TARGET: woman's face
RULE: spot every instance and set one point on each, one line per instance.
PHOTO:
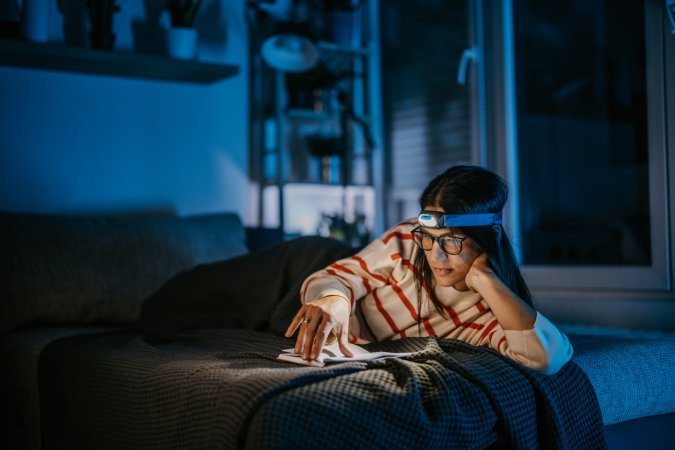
(450, 270)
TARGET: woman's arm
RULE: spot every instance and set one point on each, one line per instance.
(511, 311)
(329, 295)
(531, 338)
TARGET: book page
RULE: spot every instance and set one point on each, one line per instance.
(331, 354)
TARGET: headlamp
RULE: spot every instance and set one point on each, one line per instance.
(435, 219)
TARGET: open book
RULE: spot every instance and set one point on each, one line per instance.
(332, 354)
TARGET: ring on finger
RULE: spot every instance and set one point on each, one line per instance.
(305, 320)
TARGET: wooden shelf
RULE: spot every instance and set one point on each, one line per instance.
(17, 53)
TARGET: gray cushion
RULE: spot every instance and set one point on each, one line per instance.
(88, 269)
(631, 370)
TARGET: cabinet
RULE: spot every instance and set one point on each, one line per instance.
(312, 137)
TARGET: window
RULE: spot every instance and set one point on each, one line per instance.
(587, 164)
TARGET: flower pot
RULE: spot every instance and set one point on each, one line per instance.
(182, 42)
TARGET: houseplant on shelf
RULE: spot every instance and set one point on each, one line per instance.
(182, 36)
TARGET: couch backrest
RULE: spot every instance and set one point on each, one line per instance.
(65, 269)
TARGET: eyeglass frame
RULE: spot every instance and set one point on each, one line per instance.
(434, 239)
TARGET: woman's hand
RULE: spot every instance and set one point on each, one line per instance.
(317, 320)
(479, 271)
(511, 311)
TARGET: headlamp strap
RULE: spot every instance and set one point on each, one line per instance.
(434, 219)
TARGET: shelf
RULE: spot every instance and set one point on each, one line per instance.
(17, 53)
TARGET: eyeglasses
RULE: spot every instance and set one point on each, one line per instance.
(452, 245)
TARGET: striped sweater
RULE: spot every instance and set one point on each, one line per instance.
(379, 283)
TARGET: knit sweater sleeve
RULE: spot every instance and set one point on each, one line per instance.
(356, 276)
(544, 347)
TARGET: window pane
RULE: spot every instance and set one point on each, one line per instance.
(582, 132)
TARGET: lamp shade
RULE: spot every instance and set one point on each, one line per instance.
(290, 51)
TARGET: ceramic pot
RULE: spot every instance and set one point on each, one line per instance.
(182, 42)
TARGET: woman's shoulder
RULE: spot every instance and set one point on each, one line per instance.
(404, 226)
(398, 236)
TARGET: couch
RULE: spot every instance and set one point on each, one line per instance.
(161, 332)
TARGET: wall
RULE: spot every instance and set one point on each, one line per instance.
(87, 143)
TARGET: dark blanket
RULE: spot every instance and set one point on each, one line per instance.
(223, 388)
(258, 291)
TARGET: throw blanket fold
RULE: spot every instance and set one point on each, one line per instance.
(258, 291)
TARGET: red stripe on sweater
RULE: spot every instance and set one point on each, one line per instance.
(364, 266)
(408, 304)
(395, 256)
(479, 306)
(351, 296)
(393, 234)
(342, 268)
(488, 329)
(474, 325)
(501, 341)
(384, 313)
(453, 316)
(366, 284)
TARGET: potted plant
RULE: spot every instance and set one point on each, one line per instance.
(182, 37)
(336, 226)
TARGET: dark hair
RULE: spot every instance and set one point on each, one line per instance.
(466, 190)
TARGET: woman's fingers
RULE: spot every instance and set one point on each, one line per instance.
(316, 321)
(343, 341)
(314, 326)
(295, 323)
(320, 340)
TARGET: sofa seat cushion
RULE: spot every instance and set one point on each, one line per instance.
(20, 407)
(631, 371)
(66, 269)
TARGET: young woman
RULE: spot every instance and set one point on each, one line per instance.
(451, 273)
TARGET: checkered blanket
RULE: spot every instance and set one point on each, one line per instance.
(222, 388)
(173, 384)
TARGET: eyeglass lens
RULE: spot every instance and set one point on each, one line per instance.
(448, 244)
